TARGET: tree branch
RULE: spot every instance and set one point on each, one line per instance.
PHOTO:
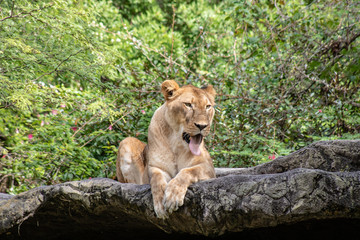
(24, 14)
(57, 67)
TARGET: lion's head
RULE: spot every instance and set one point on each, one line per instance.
(190, 111)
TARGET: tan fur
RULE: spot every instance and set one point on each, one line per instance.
(167, 162)
(130, 166)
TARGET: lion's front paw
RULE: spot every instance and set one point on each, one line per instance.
(160, 210)
(174, 196)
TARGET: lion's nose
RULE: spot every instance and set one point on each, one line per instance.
(201, 126)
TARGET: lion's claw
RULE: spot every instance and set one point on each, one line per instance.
(160, 211)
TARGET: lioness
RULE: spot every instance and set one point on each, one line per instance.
(175, 156)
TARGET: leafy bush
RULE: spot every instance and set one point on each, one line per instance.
(77, 77)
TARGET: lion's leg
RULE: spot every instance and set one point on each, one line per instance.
(176, 189)
(158, 182)
(130, 167)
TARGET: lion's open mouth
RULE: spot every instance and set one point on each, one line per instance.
(194, 142)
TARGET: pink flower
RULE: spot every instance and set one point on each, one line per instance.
(54, 112)
(42, 123)
(17, 130)
(320, 111)
(3, 156)
(30, 136)
(272, 157)
(143, 111)
(74, 128)
(110, 127)
(62, 105)
(89, 177)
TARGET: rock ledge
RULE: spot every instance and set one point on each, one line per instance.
(315, 190)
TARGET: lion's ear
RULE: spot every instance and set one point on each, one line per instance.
(168, 88)
(210, 90)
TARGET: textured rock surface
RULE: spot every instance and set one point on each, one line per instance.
(333, 156)
(315, 190)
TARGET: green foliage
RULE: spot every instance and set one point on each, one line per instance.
(76, 77)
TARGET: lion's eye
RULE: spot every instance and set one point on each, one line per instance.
(188, 105)
(208, 107)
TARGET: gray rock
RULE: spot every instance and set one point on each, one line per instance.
(333, 156)
(315, 191)
(4, 197)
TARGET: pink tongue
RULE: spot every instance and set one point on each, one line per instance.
(194, 144)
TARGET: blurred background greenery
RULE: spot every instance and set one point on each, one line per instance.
(76, 77)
